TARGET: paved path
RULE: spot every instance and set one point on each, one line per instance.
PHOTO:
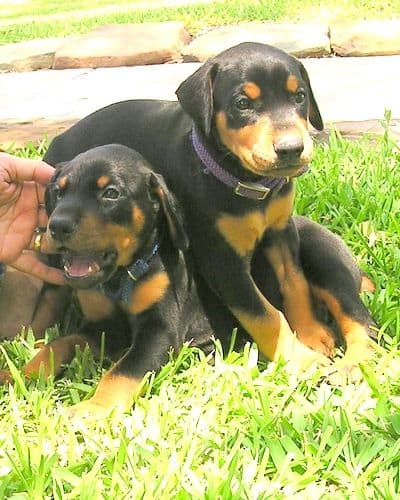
(352, 90)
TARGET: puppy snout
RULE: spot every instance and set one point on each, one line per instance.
(289, 148)
(61, 227)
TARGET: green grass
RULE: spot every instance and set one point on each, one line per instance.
(235, 430)
(48, 7)
(195, 17)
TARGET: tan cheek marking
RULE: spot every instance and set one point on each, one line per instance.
(94, 234)
(103, 181)
(63, 182)
(95, 306)
(252, 90)
(242, 233)
(149, 292)
(138, 218)
(292, 83)
(279, 210)
(234, 139)
(302, 126)
(256, 138)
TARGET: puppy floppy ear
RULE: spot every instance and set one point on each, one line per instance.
(172, 212)
(313, 111)
(195, 95)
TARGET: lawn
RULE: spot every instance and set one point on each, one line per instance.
(238, 429)
(196, 17)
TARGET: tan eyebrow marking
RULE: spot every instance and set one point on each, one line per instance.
(292, 83)
(103, 181)
(63, 182)
(252, 90)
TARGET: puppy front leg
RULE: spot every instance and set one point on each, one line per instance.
(262, 321)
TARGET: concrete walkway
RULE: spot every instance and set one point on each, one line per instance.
(353, 94)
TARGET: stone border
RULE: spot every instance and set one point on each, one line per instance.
(157, 43)
(18, 134)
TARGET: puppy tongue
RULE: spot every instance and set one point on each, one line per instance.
(78, 267)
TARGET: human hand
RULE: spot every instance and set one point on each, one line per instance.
(22, 186)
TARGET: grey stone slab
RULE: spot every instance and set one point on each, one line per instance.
(29, 56)
(347, 90)
(365, 38)
(302, 40)
(124, 45)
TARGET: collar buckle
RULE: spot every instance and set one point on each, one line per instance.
(251, 190)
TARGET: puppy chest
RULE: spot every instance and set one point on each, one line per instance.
(95, 305)
(242, 232)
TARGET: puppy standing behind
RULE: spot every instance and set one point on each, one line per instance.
(120, 239)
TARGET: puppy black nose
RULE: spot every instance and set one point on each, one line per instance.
(289, 148)
(61, 227)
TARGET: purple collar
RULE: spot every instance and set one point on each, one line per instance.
(253, 190)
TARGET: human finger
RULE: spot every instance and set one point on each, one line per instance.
(25, 169)
(29, 263)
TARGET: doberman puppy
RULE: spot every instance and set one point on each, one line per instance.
(229, 151)
(119, 236)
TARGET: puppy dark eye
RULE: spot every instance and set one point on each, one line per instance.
(300, 97)
(110, 193)
(243, 103)
(57, 192)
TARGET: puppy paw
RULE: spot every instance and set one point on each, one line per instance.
(319, 339)
(299, 357)
(347, 369)
(88, 409)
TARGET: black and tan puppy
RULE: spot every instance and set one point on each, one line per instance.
(229, 150)
(119, 236)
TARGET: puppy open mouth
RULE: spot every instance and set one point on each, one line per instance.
(86, 270)
(77, 266)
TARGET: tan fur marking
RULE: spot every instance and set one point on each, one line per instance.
(59, 352)
(138, 218)
(292, 83)
(297, 303)
(243, 232)
(358, 344)
(242, 142)
(63, 182)
(113, 391)
(352, 331)
(254, 144)
(275, 339)
(279, 210)
(103, 181)
(93, 234)
(149, 292)
(95, 306)
(252, 90)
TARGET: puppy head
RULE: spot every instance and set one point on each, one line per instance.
(256, 101)
(103, 207)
